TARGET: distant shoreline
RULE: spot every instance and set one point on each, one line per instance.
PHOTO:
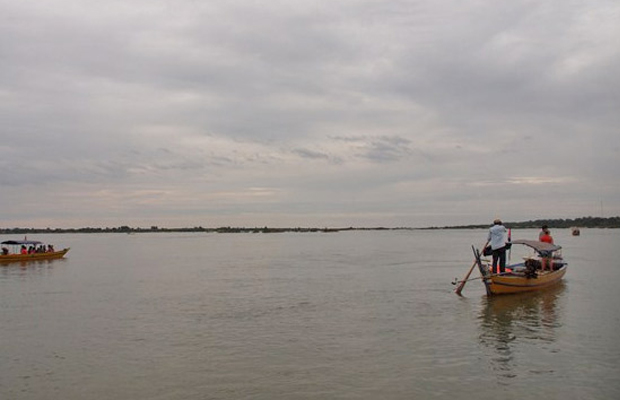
(585, 222)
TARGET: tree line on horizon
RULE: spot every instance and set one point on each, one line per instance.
(584, 222)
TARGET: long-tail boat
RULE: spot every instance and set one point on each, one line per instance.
(28, 250)
(539, 271)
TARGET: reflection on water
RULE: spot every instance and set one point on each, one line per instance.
(507, 322)
(31, 266)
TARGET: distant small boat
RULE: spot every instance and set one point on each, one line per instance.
(575, 231)
(526, 276)
(38, 251)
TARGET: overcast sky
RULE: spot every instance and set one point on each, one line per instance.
(307, 113)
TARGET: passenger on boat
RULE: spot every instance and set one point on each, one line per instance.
(24, 250)
(545, 235)
(5, 251)
(546, 260)
(497, 238)
(50, 248)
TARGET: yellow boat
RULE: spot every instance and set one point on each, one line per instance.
(7, 256)
(526, 276)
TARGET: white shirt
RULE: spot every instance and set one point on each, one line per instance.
(496, 236)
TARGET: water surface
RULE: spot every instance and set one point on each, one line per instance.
(348, 315)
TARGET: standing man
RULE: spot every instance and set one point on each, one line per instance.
(497, 238)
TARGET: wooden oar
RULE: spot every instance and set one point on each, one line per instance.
(459, 289)
(482, 277)
(470, 279)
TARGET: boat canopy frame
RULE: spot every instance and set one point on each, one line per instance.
(541, 248)
(21, 242)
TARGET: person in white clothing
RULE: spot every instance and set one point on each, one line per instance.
(497, 238)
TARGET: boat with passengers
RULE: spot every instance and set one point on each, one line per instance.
(539, 270)
(544, 268)
(28, 250)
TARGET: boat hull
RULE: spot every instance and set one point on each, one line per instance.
(508, 284)
(9, 258)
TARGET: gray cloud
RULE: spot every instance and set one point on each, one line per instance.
(311, 154)
(316, 113)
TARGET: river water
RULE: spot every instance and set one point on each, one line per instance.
(348, 315)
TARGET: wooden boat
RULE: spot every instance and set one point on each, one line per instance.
(14, 255)
(526, 276)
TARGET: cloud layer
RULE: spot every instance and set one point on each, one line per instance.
(307, 113)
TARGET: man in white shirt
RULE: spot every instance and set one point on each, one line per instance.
(497, 238)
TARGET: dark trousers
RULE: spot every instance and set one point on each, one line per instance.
(499, 255)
